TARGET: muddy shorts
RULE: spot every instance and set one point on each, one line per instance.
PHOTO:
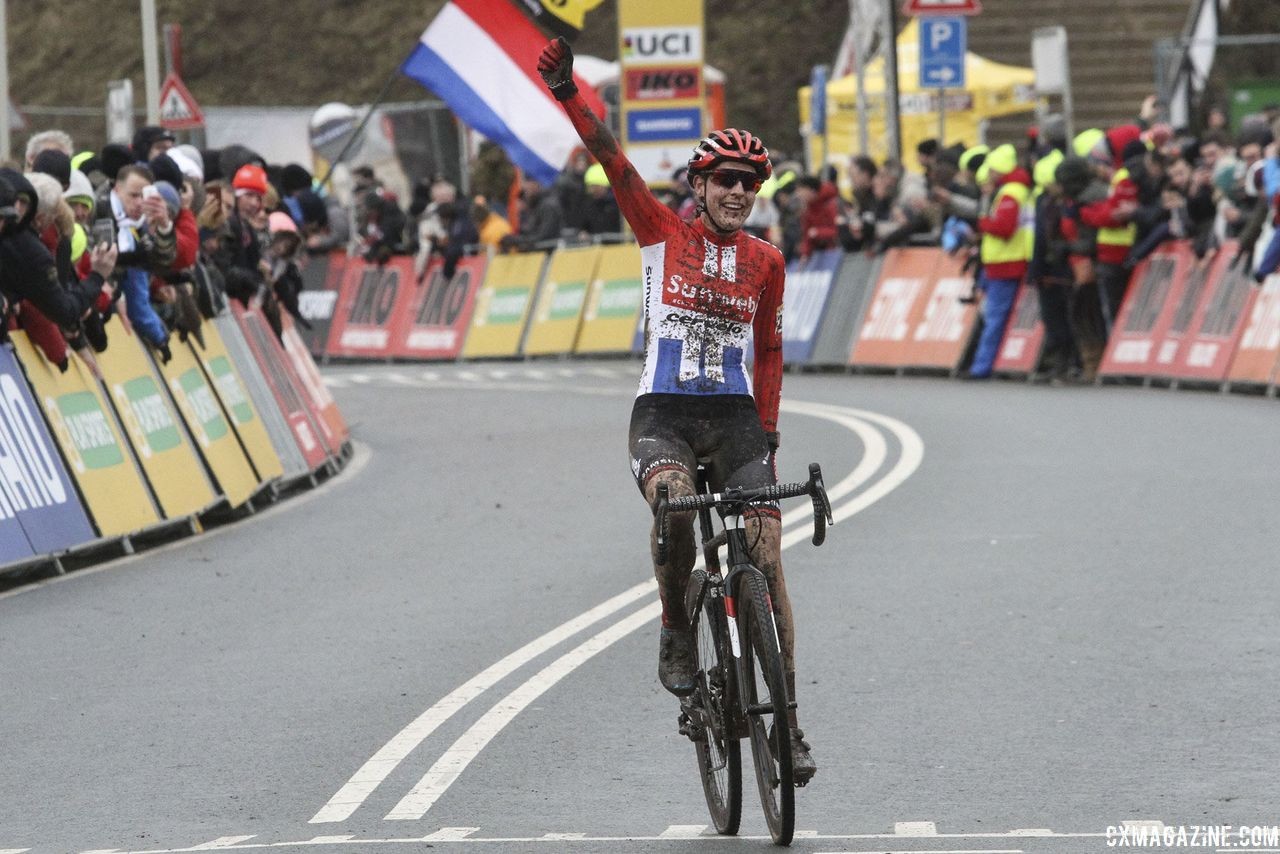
(677, 431)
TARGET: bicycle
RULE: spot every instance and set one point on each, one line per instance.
(741, 689)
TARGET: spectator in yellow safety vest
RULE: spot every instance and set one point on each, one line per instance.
(1005, 250)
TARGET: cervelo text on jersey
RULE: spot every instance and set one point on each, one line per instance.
(708, 298)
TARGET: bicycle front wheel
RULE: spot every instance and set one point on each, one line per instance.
(764, 701)
(719, 757)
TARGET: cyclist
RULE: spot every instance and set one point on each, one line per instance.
(712, 292)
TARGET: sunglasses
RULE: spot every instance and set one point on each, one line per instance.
(730, 178)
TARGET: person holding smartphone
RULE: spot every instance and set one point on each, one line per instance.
(147, 244)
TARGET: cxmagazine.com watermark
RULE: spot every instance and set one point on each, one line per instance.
(1222, 836)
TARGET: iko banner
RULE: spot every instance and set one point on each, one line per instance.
(554, 327)
(439, 312)
(614, 303)
(40, 512)
(371, 298)
(99, 459)
(151, 424)
(502, 305)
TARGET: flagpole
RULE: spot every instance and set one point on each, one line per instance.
(360, 127)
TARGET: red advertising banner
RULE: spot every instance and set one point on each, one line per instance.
(1023, 337)
(1257, 356)
(1155, 291)
(432, 322)
(369, 301)
(284, 388)
(1209, 319)
(916, 318)
(321, 402)
(662, 84)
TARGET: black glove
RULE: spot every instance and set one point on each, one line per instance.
(556, 67)
(774, 438)
(165, 353)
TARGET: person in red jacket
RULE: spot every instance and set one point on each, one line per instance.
(712, 293)
(1113, 218)
(1005, 249)
(818, 218)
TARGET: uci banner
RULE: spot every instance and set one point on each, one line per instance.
(40, 512)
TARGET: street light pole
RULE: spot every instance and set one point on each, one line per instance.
(151, 60)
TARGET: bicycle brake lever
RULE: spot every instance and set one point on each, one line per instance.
(821, 505)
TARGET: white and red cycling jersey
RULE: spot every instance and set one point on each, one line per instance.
(708, 299)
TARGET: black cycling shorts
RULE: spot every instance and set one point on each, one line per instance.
(677, 431)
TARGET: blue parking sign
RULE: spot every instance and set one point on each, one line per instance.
(943, 44)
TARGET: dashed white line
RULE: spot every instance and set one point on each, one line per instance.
(450, 834)
(684, 831)
(915, 828)
(221, 842)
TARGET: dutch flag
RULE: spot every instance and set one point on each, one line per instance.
(481, 57)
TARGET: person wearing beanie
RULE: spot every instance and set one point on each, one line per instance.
(243, 266)
(164, 168)
(53, 162)
(294, 179)
(151, 140)
(80, 196)
(285, 277)
(1082, 191)
(1004, 252)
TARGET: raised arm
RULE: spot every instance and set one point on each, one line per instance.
(649, 218)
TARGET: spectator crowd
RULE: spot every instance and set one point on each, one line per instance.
(175, 231)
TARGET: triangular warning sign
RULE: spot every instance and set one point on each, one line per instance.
(178, 110)
(941, 7)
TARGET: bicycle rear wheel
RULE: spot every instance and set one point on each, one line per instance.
(764, 699)
(719, 756)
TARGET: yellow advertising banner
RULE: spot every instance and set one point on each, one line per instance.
(222, 375)
(554, 328)
(502, 305)
(151, 424)
(99, 459)
(198, 404)
(662, 86)
(614, 303)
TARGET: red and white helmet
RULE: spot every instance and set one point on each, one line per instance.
(730, 144)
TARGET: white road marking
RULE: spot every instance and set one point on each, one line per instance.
(355, 791)
(915, 828)
(14, 850)
(455, 760)
(465, 835)
(450, 834)
(221, 842)
(460, 754)
(683, 831)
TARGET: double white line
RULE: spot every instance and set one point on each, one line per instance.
(866, 425)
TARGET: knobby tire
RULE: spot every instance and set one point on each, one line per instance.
(718, 753)
(763, 687)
